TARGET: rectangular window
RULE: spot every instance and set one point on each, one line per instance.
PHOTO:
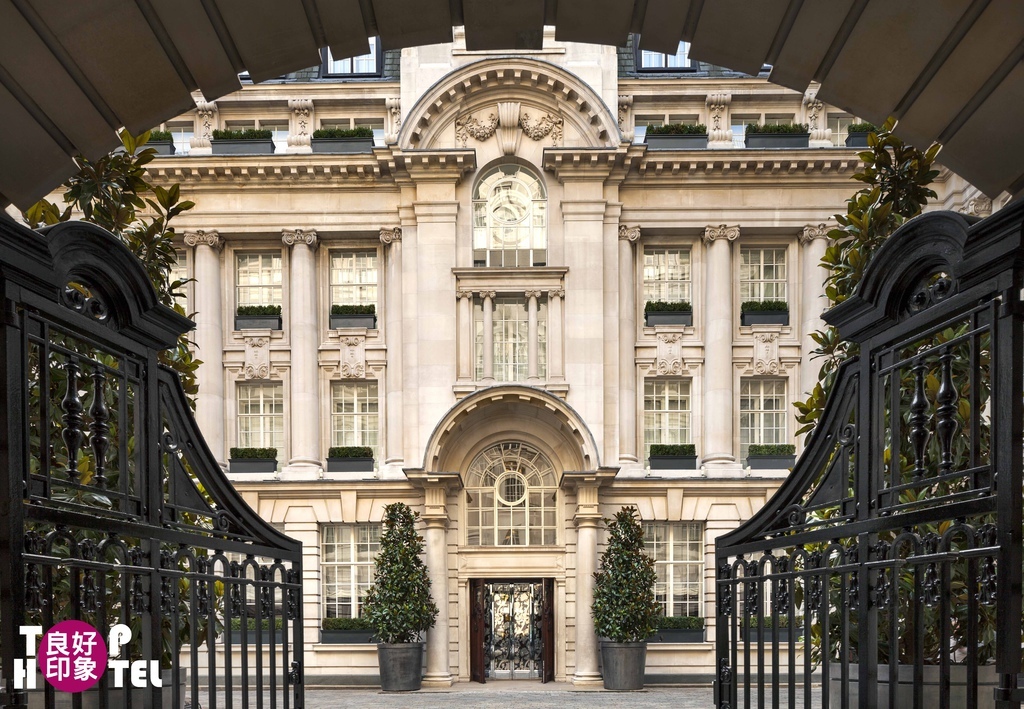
(763, 410)
(666, 274)
(258, 278)
(347, 554)
(181, 134)
(762, 274)
(666, 412)
(649, 61)
(279, 133)
(354, 277)
(366, 64)
(839, 123)
(678, 552)
(739, 129)
(355, 419)
(511, 338)
(261, 415)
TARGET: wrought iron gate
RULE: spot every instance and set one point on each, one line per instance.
(894, 548)
(114, 510)
(512, 630)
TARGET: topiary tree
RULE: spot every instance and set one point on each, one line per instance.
(625, 609)
(398, 604)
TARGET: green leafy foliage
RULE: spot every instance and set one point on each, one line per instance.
(350, 452)
(337, 133)
(673, 449)
(161, 136)
(346, 624)
(661, 306)
(679, 622)
(257, 311)
(771, 449)
(766, 621)
(369, 309)
(760, 306)
(777, 128)
(236, 624)
(625, 608)
(244, 134)
(258, 453)
(113, 192)
(862, 128)
(398, 604)
(678, 129)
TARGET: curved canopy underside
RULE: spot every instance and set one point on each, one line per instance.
(71, 72)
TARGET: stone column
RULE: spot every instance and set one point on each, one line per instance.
(628, 236)
(533, 336)
(391, 238)
(209, 338)
(488, 298)
(814, 241)
(719, 326)
(304, 407)
(555, 337)
(465, 335)
(586, 519)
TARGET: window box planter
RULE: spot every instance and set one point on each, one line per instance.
(162, 147)
(342, 145)
(675, 635)
(368, 321)
(673, 462)
(235, 637)
(662, 141)
(242, 147)
(252, 465)
(765, 317)
(257, 322)
(349, 465)
(778, 140)
(346, 637)
(676, 317)
(767, 456)
(857, 140)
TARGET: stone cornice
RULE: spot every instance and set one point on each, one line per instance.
(741, 161)
(590, 163)
(429, 165)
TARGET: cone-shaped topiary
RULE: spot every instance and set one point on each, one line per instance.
(625, 609)
(398, 604)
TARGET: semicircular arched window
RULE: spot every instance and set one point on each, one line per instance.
(509, 218)
(511, 492)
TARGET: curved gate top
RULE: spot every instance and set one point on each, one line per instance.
(114, 511)
(886, 571)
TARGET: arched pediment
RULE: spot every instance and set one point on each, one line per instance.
(509, 100)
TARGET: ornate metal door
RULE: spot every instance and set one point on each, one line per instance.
(477, 623)
(512, 647)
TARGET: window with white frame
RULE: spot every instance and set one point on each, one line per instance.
(181, 134)
(840, 124)
(511, 496)
(278, 133)
(179, 274)
(258, 278)
(509, 218)
(739, 125)
(510, 338)
(762, 273)
(653, 61)
(261, 415)
(763, 408)
(355, 415)
(678, 552)
(368, 63)
(354, 277)
(666, 412)
(666, 274)
(374, 124)
(347, 554)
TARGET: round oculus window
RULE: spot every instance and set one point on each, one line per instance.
(511, 488)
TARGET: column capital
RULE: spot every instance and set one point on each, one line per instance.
(814, 231)
(390, 234)
(532, 293)
(463, 293)
(488, 294)
(210, 238)
(556, 293)
(629, 233)
(722, 231)
(309, 237)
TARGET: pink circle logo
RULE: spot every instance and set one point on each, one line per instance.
(72, 656)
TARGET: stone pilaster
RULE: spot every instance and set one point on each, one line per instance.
(300, 129)
(303, 334)
(628, 240)
(814, 117)
(533, 337)
(556, 337)
(719, 128)
(813, 242)
(488, 305)
(391, 238)
(465, 334)
(719, 327)
(209, 338)
(206, 121)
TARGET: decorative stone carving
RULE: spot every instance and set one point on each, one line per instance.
(390, 234)
(300, 135)
(508, 127)
(353, 357)
(669, 360)
(394, 106)
(821, 134)
(722, 231)
(719, 130)
(626, 118)
(488, 294)
(532, 293)
(980, 206)
(462, 293)
(556, 293)
(257, 358)
(766, 353)
(629, 233)
(206, 112)
(290, 237)
(467, 127)
(814, 231)
(547, 125)
(209, 238)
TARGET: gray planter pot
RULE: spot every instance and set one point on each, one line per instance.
(778, 140)
(162, 147)
(677, 142)
(349, 465)
(242, 147)
(673, 462)
(666, 317)
(857, 140)
(623, 665)
(350, 637)
(771, 462)
(675, 635)
(401, 666)
(257, 322)
(765, 317)
(341, 321)
(988, 680)
(252, 465)
(342, 145)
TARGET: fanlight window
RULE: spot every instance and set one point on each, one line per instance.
(511, 491)
(509, 218)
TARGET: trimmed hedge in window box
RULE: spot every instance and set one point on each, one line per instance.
(659, 312)
(679, 629)
(258, 317)
(673, 456)
(235, 634)
(251, 141)
(677, 136)
(778, 135)
(762, 456)
(346, 630)
(343, 316)
(253, 460)
(162, 141)
(857, 134)
(761, 630)
(342, 140)
(764, 312)
(350, 459)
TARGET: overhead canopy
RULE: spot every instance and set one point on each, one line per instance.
(73, 72)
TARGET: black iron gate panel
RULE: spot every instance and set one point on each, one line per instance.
(115, 512)
(886, 571)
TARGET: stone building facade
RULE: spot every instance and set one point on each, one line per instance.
(509, 226)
